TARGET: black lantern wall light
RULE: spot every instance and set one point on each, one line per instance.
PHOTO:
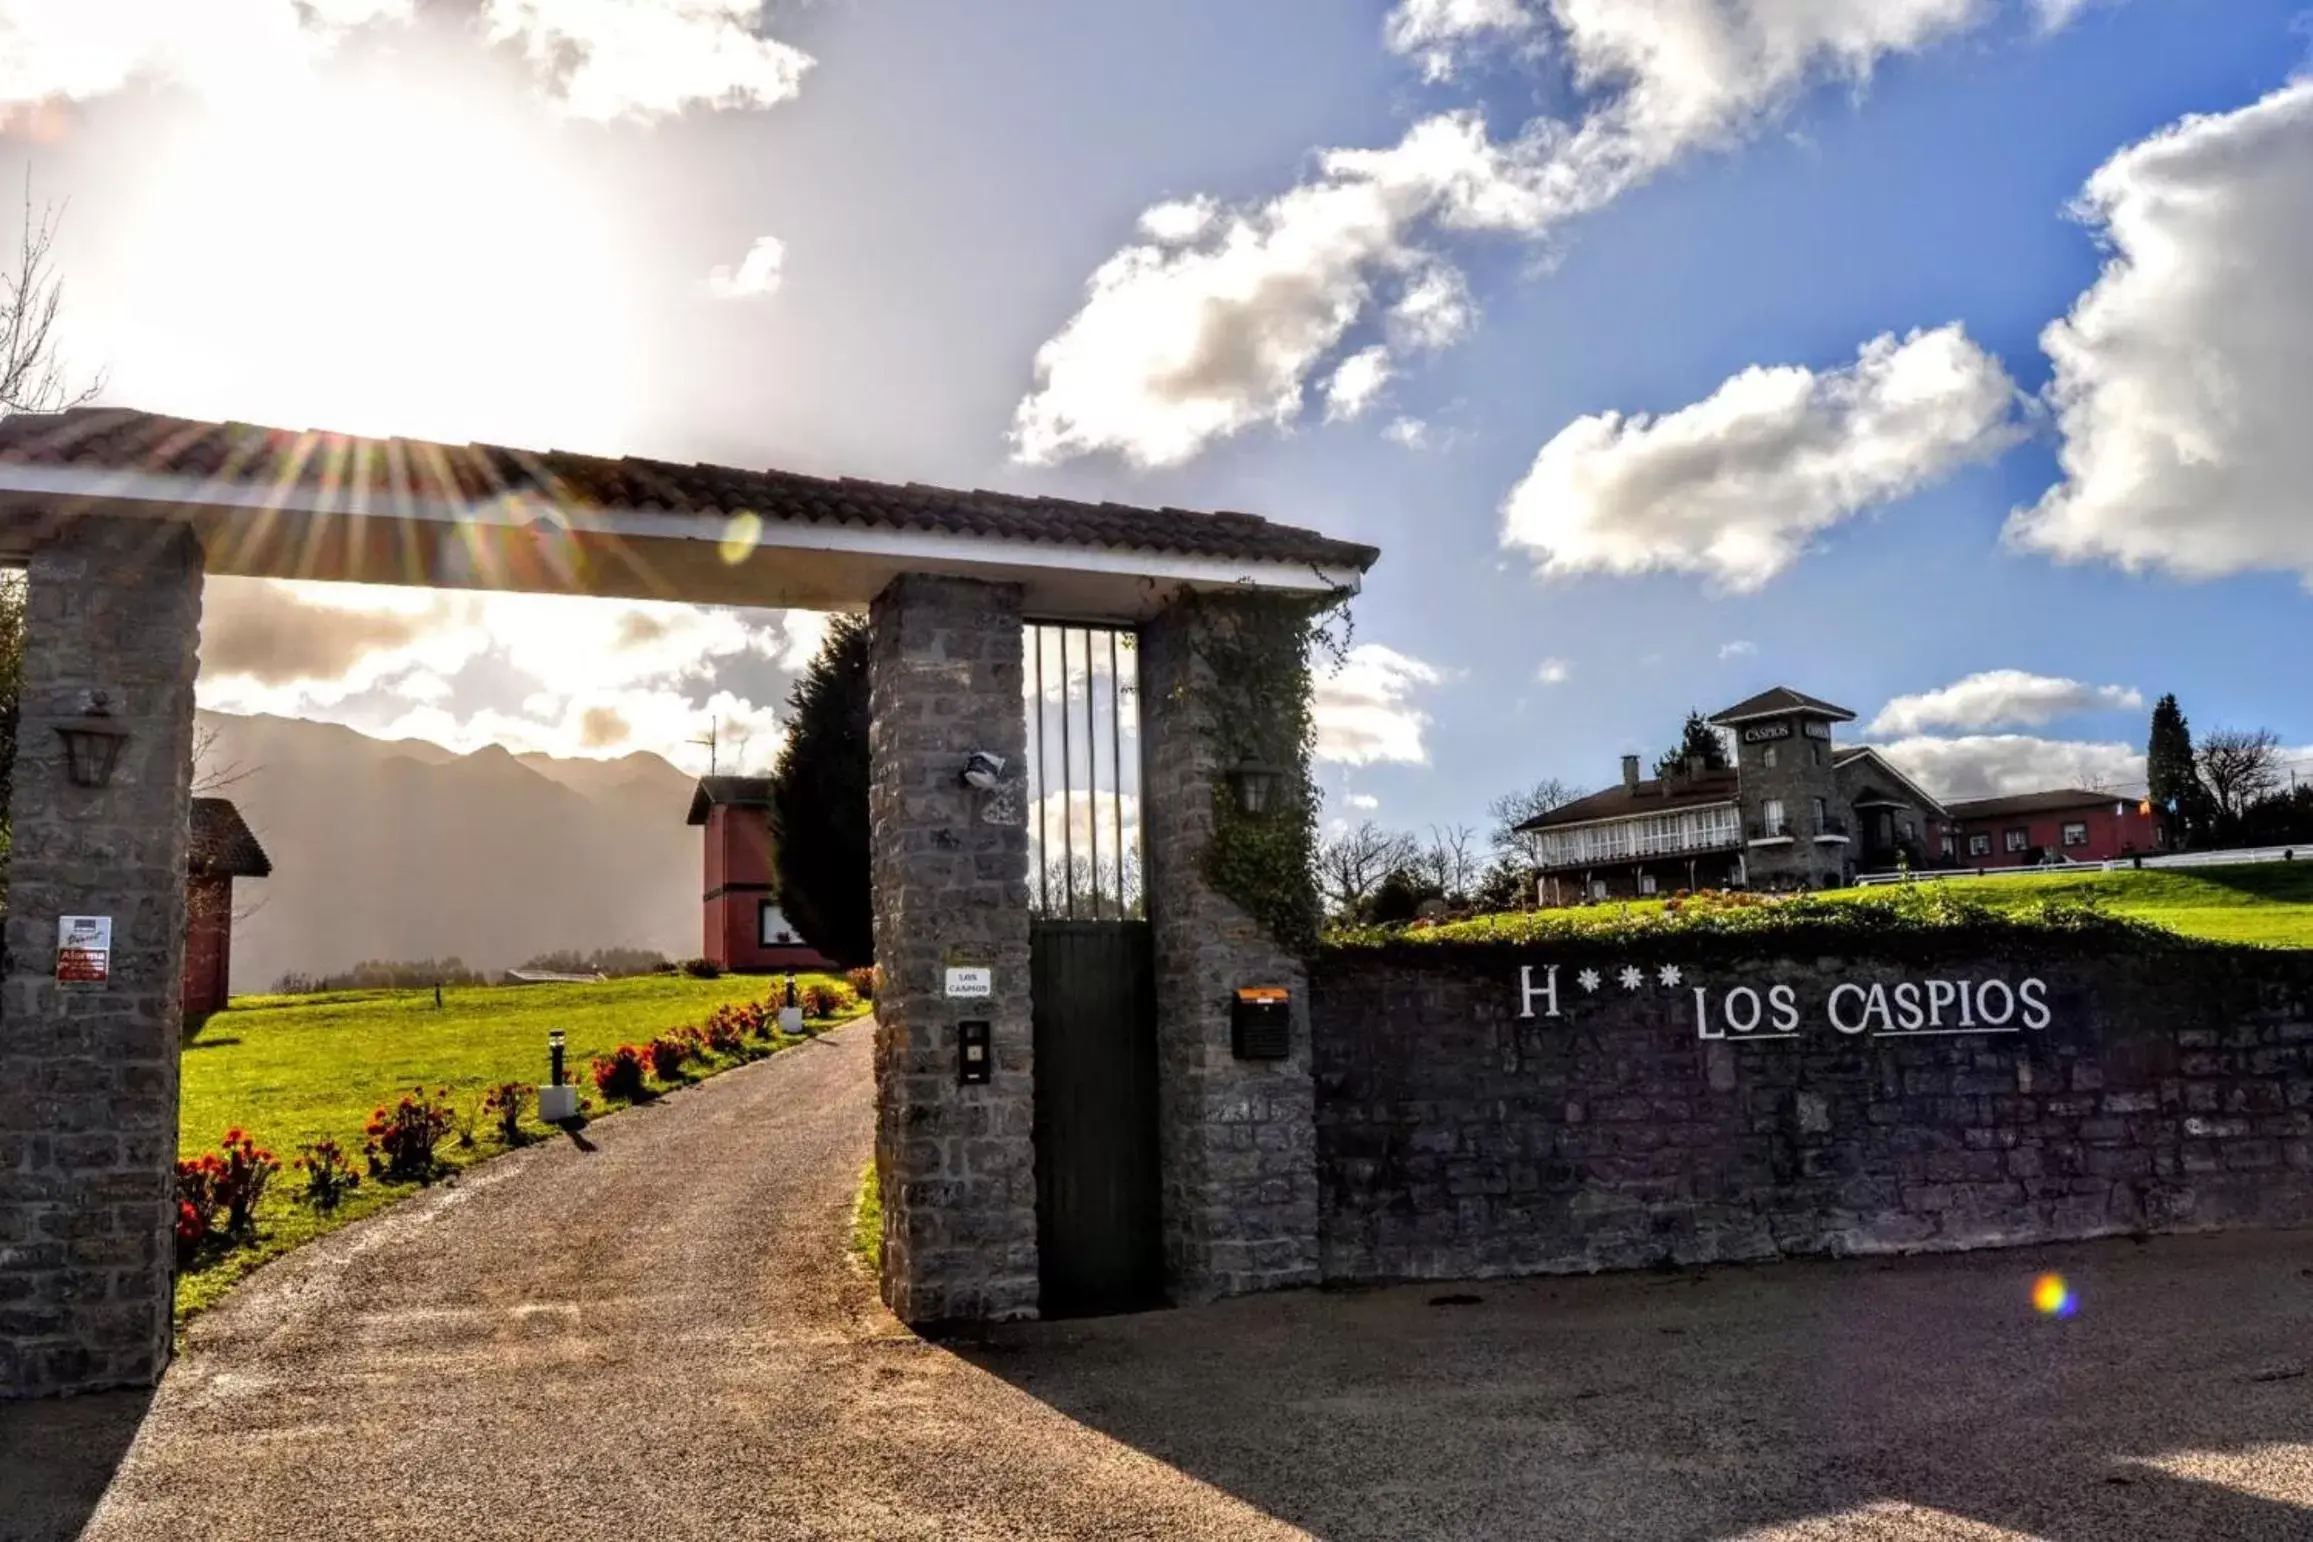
(92, 742)
(1256, 786)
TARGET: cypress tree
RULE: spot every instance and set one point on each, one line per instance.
(2170, 778)
(819, 801)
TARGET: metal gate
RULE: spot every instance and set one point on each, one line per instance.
(1092, 978)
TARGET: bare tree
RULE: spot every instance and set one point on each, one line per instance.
(1513, 809)
(1447, 861)
(32, 378)
(2239, 766)
(1352, 863)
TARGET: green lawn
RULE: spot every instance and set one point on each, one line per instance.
(2269, 903)
(293, 1069)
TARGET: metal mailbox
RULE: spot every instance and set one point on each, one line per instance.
(1261, 1023)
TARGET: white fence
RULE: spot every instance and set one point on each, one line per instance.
(2237, 858)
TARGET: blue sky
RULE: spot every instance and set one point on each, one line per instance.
(1664, 195)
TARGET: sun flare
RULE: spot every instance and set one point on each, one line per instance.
(380, 255)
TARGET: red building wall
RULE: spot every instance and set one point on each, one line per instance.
(208, 943)
(2116, 829)
(739, 883)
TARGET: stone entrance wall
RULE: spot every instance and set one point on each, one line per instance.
(956, 1163)
(1457, 1138)
(88, 1073)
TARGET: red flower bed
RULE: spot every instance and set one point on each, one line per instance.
(402, 1138)
(619, 1074)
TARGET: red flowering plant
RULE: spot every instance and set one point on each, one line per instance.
(329, 1177)
(246, 1169)
(862, 983)
(666, 1056)
(725, 1032)
(619, 1074)
(402, 1138)
(196, 1203)
(504, 1104)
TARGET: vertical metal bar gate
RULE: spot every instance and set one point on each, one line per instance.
(1092, 976)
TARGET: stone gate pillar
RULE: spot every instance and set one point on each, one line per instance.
(956, 1162)
(1238, 1138)
(88, 1072)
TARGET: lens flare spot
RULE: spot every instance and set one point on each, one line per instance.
(740, 537)
(2052, 1297)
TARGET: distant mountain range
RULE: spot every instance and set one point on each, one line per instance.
(401, 849)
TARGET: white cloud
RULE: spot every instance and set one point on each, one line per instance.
(2056, 15)
(1439, 34)
(758, 273)
(564, 675)
(1216, 319)
(1737, 649)
(599, 59)
(1554, 672)
(1996, 765)
(1363, 802)
(1356, 384)
(1365, 710)
(607, 59)
(2180, 376)
(1735, 486)
(2001, 698)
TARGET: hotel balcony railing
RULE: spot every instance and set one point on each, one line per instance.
(1831, 830)
(1781, 831)
(1606, 853)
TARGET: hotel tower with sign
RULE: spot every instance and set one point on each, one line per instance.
(1796, 811)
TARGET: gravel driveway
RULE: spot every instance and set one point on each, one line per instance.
(661, 1337)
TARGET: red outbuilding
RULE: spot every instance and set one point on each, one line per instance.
(744, 927)
(2072, 825)
(220, 850)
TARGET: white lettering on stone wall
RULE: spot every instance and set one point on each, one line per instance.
(1901, 1010)
(1528, 990)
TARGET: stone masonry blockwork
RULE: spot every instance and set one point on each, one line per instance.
(1237, 1138)
(88, 1074)
(2170, 1090)
(956, 1163)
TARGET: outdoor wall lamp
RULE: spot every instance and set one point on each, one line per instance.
(1256, 786)
(983, 772)
(92, 743)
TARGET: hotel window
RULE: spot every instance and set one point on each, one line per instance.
(2076, 833)
(1949, 849)
(771, 928)
(1767, 757)
(1979, 845)
(2019, 840)
(1771, 817)
(1646, 883)
(1816, 750)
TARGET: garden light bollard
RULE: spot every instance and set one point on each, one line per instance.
(556, 1101)
(791, 1014)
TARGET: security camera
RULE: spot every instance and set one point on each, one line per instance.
(984, 772)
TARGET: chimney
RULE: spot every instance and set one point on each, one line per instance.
(1630, 772)
(1694, 768)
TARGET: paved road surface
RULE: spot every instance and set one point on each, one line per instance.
(660, 1338)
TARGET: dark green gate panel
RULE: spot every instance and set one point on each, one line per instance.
(1098, 1206)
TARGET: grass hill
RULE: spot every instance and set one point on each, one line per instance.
(2270, 903)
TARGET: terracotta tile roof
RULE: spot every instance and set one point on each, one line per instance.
(1654, 797)
(221, 844)
(746, 791)
(1781, 698)
(2053, 802)
(352, 472)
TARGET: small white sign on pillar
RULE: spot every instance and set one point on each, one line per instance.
(971, 982)
(83, 950)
